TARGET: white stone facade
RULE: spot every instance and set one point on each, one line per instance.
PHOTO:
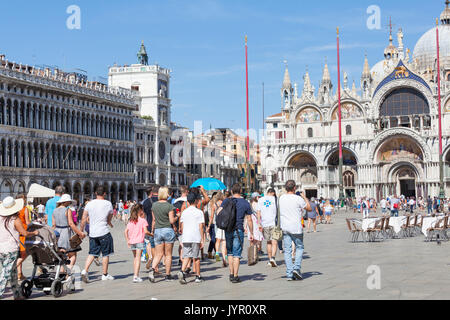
(389, 130)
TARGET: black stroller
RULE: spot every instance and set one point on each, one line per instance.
(52, 262)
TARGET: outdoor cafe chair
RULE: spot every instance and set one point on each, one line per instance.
(388, 231)
(433, 230)
(354, 230)
(441, 230)
(377, 230)
(404, 232)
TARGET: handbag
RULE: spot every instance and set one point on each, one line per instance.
(75, 241)
(277, 233)
(253, 255)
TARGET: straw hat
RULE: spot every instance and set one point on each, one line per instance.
(65, 198)
(10, 206)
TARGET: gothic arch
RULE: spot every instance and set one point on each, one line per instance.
(388, 88)
(303, 107)
(329, 116)
(376, 143)
(293, 154)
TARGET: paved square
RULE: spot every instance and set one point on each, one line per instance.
(333, 268)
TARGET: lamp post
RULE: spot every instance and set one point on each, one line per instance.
(341, 160)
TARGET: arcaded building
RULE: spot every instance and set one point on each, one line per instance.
(57, 128)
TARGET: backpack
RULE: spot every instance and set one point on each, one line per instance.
(364, 205)
(226, 216)
(395, 205)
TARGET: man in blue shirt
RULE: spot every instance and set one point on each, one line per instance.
(235, 239)
(50, 206)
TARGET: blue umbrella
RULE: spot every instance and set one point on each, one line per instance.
(209, 184)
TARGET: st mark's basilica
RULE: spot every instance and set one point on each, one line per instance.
(389, 126)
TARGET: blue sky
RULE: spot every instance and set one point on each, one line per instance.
(202, 41)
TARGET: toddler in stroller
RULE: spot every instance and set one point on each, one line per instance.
(53, 262)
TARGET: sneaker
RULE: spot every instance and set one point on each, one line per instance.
(210, 255)
(291, 279)
(198, 279)
(269, 264)
(169, 278)
(137, 280)
(182, 277)
(217, 258)
(297, 275)
(273, 263)
(231, 277)
(84, 276)
(236, 280)
(188, 270)
(107, 277)
(151, 275)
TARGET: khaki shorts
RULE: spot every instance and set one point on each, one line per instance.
(267, 232)
(191, 250)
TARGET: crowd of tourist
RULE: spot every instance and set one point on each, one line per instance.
(153, 226)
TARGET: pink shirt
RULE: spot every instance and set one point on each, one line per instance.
(136, 232)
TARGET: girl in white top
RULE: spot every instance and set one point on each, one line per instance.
(10, 229)
(328, 208)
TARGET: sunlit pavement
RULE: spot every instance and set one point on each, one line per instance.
(333, 268)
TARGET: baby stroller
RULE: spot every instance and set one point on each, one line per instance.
(43, 248)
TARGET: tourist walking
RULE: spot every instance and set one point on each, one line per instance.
(395, 206)
(221, 247)
(257, 233)
(312, 215)
(291, 213)
(135, 233)
(99, 212)
(164, 233)
(11, 228)
(24, 217)
(152, 198)
(383, 206)
(64, 225)
(51, 204)
(192, 230)
(267, 216)
(235, 238)
(328, 208)
(365, 208)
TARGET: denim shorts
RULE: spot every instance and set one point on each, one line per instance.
(103, 245)
(151, 240)
(164, 235)
(138, 246)
(235, 242)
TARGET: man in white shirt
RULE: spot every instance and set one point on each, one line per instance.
(291, 212)
(100, 213)
(41, 210)
(412, 203)
(383, 205)
(267, 215)
(192, 225)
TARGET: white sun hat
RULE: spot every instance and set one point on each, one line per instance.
(65, 198)
(10, 206)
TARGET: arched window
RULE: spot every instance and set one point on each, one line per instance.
(348, 130)
(310, 132)
(403, 102)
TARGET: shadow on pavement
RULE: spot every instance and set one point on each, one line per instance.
(254, 277)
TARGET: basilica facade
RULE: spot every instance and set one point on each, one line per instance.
(389, 126)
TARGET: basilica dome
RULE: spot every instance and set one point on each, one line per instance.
(425, 49)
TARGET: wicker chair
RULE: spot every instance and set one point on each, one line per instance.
(404, 232)
(377, 230)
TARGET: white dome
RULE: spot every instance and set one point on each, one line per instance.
(425, 50)
(382, 69)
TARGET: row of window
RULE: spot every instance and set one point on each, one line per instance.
(63, 157)
(61, 120)
(50, 96)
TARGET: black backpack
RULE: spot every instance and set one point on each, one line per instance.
(226, 217)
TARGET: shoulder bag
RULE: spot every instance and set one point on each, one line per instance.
(277, 233)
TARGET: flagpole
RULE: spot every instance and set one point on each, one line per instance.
(341, 161)
(441, 162)
(248, 124)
